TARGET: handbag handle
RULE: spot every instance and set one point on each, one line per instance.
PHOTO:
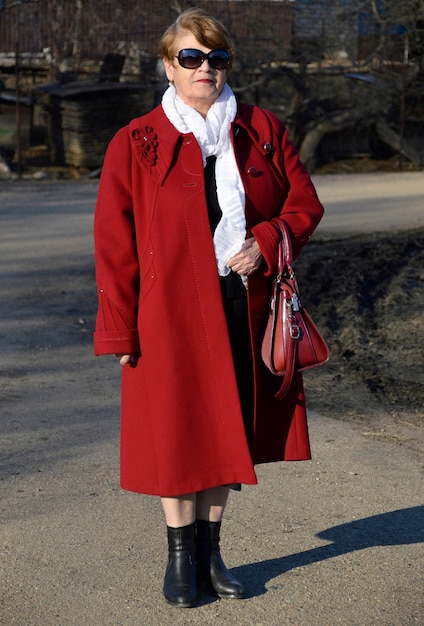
(285, 254)
(285, 261)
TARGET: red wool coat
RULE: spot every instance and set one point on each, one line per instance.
(159, 297)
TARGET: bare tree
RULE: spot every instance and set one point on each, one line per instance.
(377, 83)
(351, 65)
(324, 66)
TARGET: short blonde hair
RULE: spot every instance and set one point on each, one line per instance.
(208, 31)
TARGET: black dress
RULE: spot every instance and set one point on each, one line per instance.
(234, 298)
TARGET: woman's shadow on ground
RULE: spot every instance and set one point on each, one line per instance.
(405, 526)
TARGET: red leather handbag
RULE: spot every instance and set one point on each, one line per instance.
(292, 342)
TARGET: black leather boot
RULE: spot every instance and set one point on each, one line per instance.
(210, 566)
(180, 585)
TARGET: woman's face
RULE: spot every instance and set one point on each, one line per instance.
(199, 88)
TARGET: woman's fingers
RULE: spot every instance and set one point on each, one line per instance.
(248, 259)
(127, 359)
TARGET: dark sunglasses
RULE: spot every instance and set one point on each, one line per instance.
(190, 58)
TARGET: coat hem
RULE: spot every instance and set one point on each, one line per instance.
(175, 493)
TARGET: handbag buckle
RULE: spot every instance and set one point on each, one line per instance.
(294, 331)
(293, 304)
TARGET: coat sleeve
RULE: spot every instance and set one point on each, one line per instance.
(116, 260)
(301, 210)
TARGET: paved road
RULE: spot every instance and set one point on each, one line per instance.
(368, 202)
(334, 541)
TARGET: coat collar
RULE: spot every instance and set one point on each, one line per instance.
(256, 122)
(155, 140)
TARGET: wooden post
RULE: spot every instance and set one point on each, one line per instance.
(18, 112)
(402, 101)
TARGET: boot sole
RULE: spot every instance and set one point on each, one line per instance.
(231, 596)
(182, 605)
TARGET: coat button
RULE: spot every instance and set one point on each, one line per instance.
(252, 171)
(267, 148)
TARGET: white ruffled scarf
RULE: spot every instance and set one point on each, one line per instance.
(213, 136)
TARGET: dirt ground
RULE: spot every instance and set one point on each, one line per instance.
(366, 293)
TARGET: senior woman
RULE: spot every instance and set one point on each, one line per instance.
(186, 249)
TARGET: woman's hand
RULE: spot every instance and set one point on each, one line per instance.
(248, 259)
(127, 359)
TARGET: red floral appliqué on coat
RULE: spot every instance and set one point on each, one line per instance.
(147, 144)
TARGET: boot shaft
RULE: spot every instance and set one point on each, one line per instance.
(179, 585)
(182, 539)
(211, 568)
(207, 535)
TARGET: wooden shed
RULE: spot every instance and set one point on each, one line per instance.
(83, 117)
